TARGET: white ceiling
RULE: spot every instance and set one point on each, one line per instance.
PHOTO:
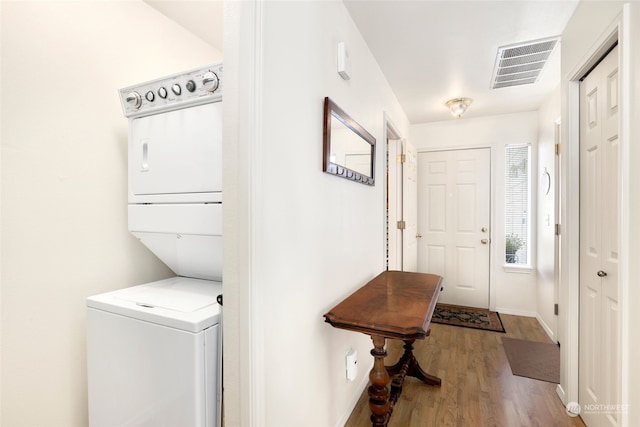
(431, 51)
(204, 18)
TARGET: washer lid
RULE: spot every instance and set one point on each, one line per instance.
(177, 293)
(178, 302)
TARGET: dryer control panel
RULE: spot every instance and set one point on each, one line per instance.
(198, 86)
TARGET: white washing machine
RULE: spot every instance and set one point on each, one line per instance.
(152, 355)
(154, 350)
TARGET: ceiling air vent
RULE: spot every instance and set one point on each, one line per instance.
(521, 64)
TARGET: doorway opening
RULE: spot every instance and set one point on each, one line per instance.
(392, 198)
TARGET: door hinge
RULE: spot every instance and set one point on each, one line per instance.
(557, 149)
(402, 158)
(402, 225)
(555, 309)
(557, 229)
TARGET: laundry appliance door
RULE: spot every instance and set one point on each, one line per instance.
(148, 375)
(176, 152)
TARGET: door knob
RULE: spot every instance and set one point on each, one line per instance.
(601, 273)
(484, 241)
(418, 235)
(483, 229)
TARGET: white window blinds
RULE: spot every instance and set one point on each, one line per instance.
(517, 201)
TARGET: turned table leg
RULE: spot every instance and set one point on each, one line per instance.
(378, 390)
(408, 366)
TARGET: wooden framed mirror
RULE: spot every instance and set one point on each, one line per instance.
(348, 149)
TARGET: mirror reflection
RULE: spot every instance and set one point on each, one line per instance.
(348, 147)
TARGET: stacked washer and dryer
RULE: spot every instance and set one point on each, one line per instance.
(154, 350)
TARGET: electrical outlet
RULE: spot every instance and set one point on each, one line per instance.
(351, 361)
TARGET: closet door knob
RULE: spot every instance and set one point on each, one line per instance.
(601, 273)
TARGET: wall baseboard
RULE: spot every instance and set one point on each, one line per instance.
(561, 394)
(547, 329)
(516, 312)
(354, 401)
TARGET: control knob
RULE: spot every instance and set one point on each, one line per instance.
(175, 88)
(150, 96)
(210, 81)
(134, 99)
(190, 85)
(162, 93)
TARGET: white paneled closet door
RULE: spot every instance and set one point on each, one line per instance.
(599, 355)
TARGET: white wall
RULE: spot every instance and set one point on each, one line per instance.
(307, 239)
(630, 228)
(64, 225)
(511, 292)
(548, 114)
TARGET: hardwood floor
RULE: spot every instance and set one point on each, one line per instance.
(478, 388)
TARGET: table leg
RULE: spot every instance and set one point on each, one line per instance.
(378, 390)
(408, 365)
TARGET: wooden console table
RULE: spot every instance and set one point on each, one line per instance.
(396, 305)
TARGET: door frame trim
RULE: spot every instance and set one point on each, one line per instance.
(630, 204)
(245, 379)
(569, 295)
(391, 132)
(558, 173)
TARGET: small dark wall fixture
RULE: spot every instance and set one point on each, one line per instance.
(348, 149)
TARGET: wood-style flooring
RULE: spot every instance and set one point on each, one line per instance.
(478, 388)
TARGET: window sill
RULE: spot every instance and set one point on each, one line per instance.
(521, 269)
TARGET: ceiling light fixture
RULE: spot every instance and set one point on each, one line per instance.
(458, 106)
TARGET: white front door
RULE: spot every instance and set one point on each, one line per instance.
(454, 202)
(599, 355)
(410, 207)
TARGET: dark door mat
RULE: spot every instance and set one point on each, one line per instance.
(469, 317)
(537, 360)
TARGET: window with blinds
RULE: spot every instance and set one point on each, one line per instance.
(517, 204)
